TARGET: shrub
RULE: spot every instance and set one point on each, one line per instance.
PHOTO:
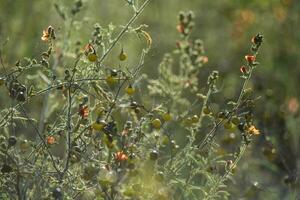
(103, 132)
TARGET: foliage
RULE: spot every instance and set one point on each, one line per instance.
(100, 128)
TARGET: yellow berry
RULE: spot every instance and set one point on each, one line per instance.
(188, 121)
(92, 57)
(130, 90)
(195, 119)
(206, 110)
(98, 126)
(167, 117)
(156, 123)
(111, 80)
(122, 55)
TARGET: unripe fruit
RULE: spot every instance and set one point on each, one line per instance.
(156, 123)
(167, 117)
(154, 155)
(12, 141)
(130, 90)
(110, 80)
(92, 57)
(122, 55)
(195, 119)
(206, 110)
(98, 126)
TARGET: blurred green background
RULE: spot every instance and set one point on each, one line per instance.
(226, 28)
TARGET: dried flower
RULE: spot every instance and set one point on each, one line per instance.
(258, 39)
(120, 156)
(90, 53)
(293, 105)
(250, 58)
(48, 34)
(83, 111)
(243, 69)
(202, 59)
(180, 28)
(253, 130)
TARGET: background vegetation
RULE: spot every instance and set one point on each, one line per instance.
(270, 170)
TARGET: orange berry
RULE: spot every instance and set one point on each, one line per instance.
(50, 140)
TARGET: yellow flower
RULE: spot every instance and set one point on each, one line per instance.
(253, 130)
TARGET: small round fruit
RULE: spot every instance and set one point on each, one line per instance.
(195, 119)
(165, 140)
(114, 72)
(110, 80)
(188, 121)
(12, 141)
(92, 57)
(221, 115)
(98, 126)
(24, 146)
(206, 110)
(154, 155)
(156, 123)
(50, 140)
(167, 117)
(122, 55)
(130, 90)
